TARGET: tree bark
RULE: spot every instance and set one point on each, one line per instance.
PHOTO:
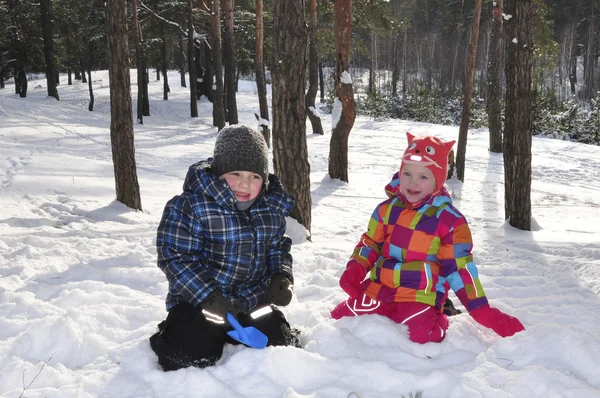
(218, 106)
(163, 53)
(589, 87)
(518, 121)
(140, 63)
(468, 93)
(313, 72)
(259, 69)
(190, 54)
(88, 68)
(494, 90)
(321, 82)
(344, 112)
(229, 55)
(181, 59)
(290, 152)
(121, 112)
(46, 18)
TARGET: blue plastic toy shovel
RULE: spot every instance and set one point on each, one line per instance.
(249, 335)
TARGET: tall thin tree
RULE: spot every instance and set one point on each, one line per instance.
(190, 54)
(344, 108)
(46, 18)
(218, 105)
(290, 152)
(121, 111)
(140, 62)
(259, 69)
(313, 71)
(229, 53)
(463, 131)
(518, 115)
(494, 90)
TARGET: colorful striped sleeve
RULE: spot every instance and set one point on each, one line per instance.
(368, 249)
(458, 267)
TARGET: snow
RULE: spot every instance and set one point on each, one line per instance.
(314, 111)
(506, 16)
(336, 112)
(514, 40)
(345, 77)
(80, 292)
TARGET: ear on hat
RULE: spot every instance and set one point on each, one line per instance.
(410, 138)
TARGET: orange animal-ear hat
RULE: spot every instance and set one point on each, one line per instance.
(430, 152)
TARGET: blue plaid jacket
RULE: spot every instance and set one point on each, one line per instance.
(205, 243)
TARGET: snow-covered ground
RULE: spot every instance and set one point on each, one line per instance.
(80, 292)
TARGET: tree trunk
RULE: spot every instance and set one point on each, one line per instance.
(321, 82)
(494, 90)
(163, 53)
(46, 17)
(589, 87)
(396, 70)
(468, 93)
(89, 72)
(229, 55)
(518, 121)
(181, 59)
(218, 106)
(313, 72)
(190, 54)
(259, 69)
(69, 79)
(344, 110)
(21, 83)
(140, 64)
(121, 112)
(290, 153)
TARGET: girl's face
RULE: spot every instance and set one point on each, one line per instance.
(244, 184)
(416, 182)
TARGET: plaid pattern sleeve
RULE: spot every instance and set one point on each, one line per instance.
(278, 258)
(458, 267)
(368, 250)
(178, 243)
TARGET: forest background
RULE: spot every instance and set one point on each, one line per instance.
(408, 57)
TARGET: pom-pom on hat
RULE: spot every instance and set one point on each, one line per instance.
(240, 148)
(430, 152)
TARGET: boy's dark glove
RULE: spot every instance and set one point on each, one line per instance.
(280, 290)
(216, 307)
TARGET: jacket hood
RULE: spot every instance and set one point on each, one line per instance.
(201, 180)
(392, 190)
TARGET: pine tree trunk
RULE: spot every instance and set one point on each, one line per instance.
(190, 54)
(589, 91)
(89, 72)
(518, 120)
(346, 107)
(494, 91)
(218, 106)
(290, 153)
(139, 63)
(181, 59)
(321, 82)
(121, 112)
(259, 69)
(163, 53)
(313, 72)
(468, 93)
(46, 18)
(229, 55)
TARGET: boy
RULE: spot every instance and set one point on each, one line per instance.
(223, 248)
(416, 247)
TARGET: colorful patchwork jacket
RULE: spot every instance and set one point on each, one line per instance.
(205, 243)
(414, 252)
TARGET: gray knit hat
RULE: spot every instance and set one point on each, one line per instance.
(241, 148)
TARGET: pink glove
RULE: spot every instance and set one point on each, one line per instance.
(352, 278)
(504, 325)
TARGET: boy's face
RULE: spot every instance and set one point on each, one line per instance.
(244, 184)
(416, 182)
